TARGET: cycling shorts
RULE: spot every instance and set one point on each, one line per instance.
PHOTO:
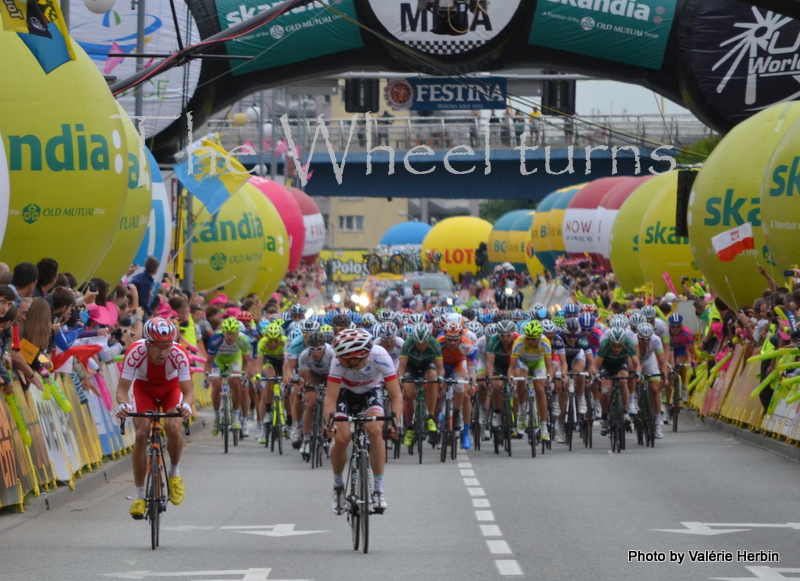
(419, 370)
(314, 381)
(650, 365)
(148, 397)
(450, 369)
(229, 363)
(612, 367)
(579, 355)
(351, 403)
(536, 368)
(275, 362)
(680, 351)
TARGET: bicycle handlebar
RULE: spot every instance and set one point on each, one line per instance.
(149, 414)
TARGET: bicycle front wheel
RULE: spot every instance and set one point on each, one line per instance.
(154, 500)
(365, 502)
(447, 429)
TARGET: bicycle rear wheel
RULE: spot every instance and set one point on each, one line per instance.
(154, 500)
(366, 501)
(355, 512)
(447, 429)
(532, 427)
(569, 420)
(676, 404)
(507, 418)
(226, 419)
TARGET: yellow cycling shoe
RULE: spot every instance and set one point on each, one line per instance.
(138, 509)
(176, 490)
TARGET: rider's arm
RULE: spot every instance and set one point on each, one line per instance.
(439, 366)
(401, 366)
(395, 395)
(636, 364)
(187, 389)
(331, 395)
(512, 365)
(661, 358)
(123, 387)
(489, 363)
(597, 362)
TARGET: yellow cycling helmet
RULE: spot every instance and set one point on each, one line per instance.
(532, 330)
(230, 325)
(273, 333)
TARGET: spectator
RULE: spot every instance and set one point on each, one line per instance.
(26, 275)
(145, 284)
(48, 273)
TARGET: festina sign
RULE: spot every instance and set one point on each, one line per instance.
(434, 94)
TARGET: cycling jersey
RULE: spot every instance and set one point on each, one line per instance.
(295, 348)
(320, 368)
(394, 348)
(480, 350)
(578, 351)
(662, 330)
(605, 353)
(155, 385)
(218, 347)
(465, 350)
(379, 367)
(418, 359)
(502, 355)
(531, 355)
(681, 341)
(649, 359)
(265, 351)
(594, 337)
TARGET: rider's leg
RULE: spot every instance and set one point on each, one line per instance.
(142, 427)
(173, 427)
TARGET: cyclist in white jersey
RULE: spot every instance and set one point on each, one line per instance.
(354, 386)
(654, 366)
(313, 366)
(388, 339)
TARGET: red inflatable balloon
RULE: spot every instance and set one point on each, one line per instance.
(315, 225)
(290, 213)
(580, 228)
(607, 212)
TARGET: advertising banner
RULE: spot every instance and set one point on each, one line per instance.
(627, 31)
(742, 57)
(432, 94)
(434, 34)
(301, 34)
(344, 265)
(9, 491)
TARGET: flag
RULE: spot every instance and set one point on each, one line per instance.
(210, 174)
(14, 15)
(729, 244)
(45, 33)
(670, 284)
(113, 61)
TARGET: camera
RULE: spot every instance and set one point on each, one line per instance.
(125, 321)
(93, 287)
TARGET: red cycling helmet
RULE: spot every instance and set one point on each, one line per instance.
(159, 330)
(245, 317)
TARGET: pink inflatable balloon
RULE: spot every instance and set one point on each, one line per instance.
(607, 212)
(579, 228)
(315, 225)
(290, 213)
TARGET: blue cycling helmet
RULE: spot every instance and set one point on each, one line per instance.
(587, 321)
(486, 318)
(542, 314)
(356, 318)
(675, 320)
(571, 310)
(295, 333)
(388, 330)
(297, 309)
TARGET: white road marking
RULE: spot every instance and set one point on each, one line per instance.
(704, 529)
(476, 492)
(480, 502)
(467, 473)
(499, 547)
(508, 567)
(282, 530)
(471, 482)
(485, 515)
(465, 464)
(491, 531)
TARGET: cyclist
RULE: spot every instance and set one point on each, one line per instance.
(227, 350)
(459, 356)
(654, 366)
(531, 355)
(421, 358)
(578, 355)
(270, 361)
(498, 358)
(295, 314)
(160, 371)
(354, 386)
(313, 365)
(615, 354)
(681, 349)
(292, 380)
(388, 339)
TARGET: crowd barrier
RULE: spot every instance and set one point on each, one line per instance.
(64, 445)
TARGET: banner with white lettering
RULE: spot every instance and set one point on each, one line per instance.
(627, 31)
(447, 94)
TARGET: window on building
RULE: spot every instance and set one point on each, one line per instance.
(351, 223)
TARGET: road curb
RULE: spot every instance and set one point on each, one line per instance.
(749, 437)
(88, 483)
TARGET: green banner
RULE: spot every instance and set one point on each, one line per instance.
(304, 33)
(627, 31)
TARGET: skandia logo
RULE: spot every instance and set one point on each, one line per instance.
(70, 150)
(626, 8)
(218, 261)
(223, 230)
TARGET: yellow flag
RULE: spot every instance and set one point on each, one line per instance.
(14, 15)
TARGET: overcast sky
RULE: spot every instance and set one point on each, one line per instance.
(611, 97)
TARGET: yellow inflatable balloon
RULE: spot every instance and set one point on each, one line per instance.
(228, 248)
(519, 244)
(660, 250)
(726, 195)
(135, 214)
(67, 159)
(275, 245)
(498, 237)
(555, 219)
(457, 239)
(625, 233)
(780, 212)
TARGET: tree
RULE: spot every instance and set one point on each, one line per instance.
(493, 209)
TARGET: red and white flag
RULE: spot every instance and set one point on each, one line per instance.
(729, 244)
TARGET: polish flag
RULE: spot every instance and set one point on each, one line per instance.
(729, 244)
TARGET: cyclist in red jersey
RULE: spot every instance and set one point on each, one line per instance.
(159, 370)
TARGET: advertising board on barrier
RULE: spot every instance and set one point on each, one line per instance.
(627, 31)
(344, 265)
(303, 33)
(445, 94)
